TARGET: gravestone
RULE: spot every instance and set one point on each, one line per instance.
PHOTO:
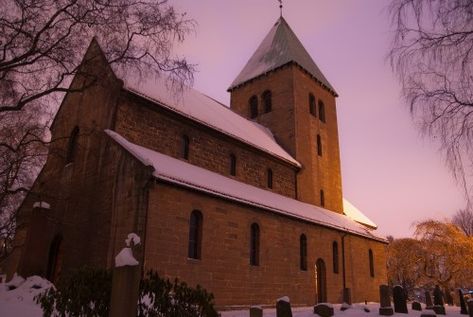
(256, 311)
(416, 306)
(439, 309)
(428, 301)
(427, 314)
(385, 308)
(470, 307)
(345, 306)
(283, 307)
(463, 309)
(323, 310)
(449, 297)
(399, 298)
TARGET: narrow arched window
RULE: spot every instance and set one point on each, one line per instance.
(233, 164)
(195, 235)
(72, 145)
(312, 106)
(253, 104)
(321, 111)
(267, 102)
(371, 259)
(254, 244)
(270, 178)
(319, 145)
(322, 198)
(303, 252)
(335, 256)
(185, 147)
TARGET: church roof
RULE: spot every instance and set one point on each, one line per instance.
(178, 172)
(280, 47)
(207, 111)
(354, 213)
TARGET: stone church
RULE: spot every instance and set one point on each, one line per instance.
(244, 200)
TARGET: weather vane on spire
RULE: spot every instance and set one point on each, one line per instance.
(280, 6)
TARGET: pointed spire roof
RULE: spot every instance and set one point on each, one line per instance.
(280, 47)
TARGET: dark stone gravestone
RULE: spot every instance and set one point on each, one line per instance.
(439, 309)
(463, 309)
(323, 310)
(385, 308)
(428, 314)
(256, 311)
(283, 307)
(470, 307)
(416, 306)
(428, 301)
(399, 297)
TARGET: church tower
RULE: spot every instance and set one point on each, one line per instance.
(282, 89)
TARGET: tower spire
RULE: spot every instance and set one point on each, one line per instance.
(280, 7)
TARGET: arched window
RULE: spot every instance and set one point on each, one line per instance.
(195, 235)
(232, 164)
(322, 198)
(321, 111)
(335, 256)
(72, 145)
(270, 178)
(312, 106)
(303, 252)
(371, 258)
(253, 103)
(185, 147)
(254, 244)
(267, 102)
(319, 145)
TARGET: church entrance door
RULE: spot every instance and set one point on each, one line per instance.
(321, 281)
(54, 259)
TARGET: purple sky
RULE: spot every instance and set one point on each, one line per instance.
(389, 171)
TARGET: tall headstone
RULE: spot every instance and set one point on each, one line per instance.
(439, 309)
(399, 297)
(463, 309)
(428, 301)
(385, 308)
(470, 307)
(283, 307)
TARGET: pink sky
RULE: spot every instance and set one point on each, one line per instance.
(389, 171)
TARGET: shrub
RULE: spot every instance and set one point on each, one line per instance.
(161, 297)
(84, 292)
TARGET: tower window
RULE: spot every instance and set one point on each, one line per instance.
(253, 103)
(72, 145)
(195, 235)
(319, 145)
(232, 164)
(335, 256)
(267, 102)
(371, 259)
(254, 244)
(312, 106)
(321, 111)
(270, 178)
(322, 198)
(185, 147)
(303, 252)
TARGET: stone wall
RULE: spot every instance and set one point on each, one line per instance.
(224, 267)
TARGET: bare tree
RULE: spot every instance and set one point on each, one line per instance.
(463, 219)
(432, 52)
(42, 43)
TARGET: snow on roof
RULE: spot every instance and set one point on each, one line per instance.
(354, 213)
(182, 173)
(279, 47)
(205, 110)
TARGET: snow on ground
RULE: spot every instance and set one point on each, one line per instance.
(19, 301)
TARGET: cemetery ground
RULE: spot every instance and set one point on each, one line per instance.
(20, 302)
